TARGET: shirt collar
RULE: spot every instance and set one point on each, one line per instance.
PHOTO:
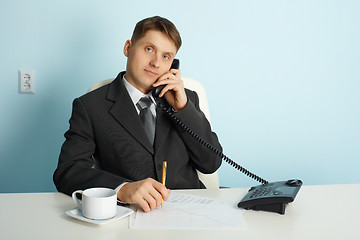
(135, 94)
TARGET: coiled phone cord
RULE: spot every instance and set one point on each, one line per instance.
(203, 142)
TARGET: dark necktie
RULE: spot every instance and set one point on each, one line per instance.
(146, 116)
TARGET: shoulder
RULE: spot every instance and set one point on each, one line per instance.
(107, 89)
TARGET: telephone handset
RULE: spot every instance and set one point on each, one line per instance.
(156, 91)
(269, 196)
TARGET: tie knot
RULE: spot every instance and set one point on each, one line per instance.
(144, 102)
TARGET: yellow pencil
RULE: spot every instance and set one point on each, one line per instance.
(163, 178)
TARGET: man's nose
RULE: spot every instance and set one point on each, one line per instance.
(155, 61)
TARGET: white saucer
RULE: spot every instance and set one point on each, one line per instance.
(120, 213)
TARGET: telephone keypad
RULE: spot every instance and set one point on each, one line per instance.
(261, 192)
(264, 192)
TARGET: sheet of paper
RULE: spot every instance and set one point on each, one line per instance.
(185, 211)
(182, 199)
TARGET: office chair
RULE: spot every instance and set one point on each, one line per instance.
(211, 181)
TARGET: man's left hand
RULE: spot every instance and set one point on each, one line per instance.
(174, 90)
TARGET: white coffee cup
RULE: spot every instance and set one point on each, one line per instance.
(97, 203)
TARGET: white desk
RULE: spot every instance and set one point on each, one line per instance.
(318, 212)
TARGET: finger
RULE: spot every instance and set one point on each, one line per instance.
(158, 190)
(162, 190)
(152, 196)
(164, 80)
(175, 72)
(167, 88)
(143, 204)
(157, 197)
(172, 74)
(165, 193)
(150, 201)
(160, 82)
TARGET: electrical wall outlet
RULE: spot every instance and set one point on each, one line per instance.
(26, 81)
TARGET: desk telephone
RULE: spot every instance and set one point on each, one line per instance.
(269, 196)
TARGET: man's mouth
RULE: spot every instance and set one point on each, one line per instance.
(151, 72)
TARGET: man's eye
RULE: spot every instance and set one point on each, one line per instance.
(166, 57)
(148, 49)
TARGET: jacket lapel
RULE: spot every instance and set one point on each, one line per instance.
(124, 112)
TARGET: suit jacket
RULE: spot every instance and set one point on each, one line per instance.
(106, 126)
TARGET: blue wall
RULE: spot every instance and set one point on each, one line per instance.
(290, 68)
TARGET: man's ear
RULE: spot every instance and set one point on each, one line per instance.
(127, 46)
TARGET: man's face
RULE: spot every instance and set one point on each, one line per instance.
(148, 58)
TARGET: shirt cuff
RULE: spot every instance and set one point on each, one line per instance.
(117, 190)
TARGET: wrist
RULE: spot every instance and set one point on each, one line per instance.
(119, 190)
(181, 105)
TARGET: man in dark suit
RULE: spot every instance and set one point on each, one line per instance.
(105, 125)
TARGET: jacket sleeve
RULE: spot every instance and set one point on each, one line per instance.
(75, 169)
(204, 160)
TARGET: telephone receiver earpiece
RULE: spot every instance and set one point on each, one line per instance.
(156, 91)
(175, 64)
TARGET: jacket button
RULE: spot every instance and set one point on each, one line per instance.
(159, 167)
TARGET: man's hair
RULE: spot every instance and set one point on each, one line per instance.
(160, 24)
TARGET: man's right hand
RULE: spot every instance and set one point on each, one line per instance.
(147, 193)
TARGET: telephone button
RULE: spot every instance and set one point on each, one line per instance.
(277, 193)
(294, 182)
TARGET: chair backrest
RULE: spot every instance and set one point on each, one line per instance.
(211, 181)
